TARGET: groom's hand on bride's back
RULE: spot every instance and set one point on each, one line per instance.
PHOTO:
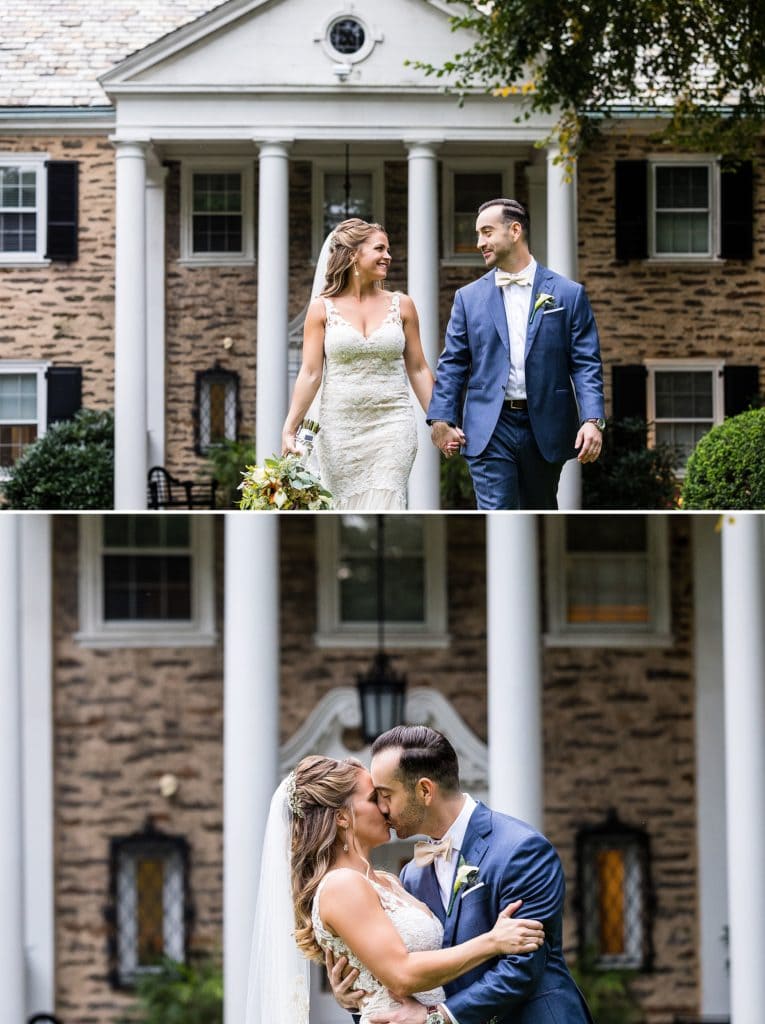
(341, 978)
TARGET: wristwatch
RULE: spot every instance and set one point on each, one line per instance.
(599, 422)
(434, 1016)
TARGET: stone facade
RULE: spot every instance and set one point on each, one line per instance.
(65, 312)
(618, 733)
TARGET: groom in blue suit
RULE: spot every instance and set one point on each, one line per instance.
(482, 861)
(519, 384)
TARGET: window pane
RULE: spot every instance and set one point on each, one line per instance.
(684, 436)
(682, 188)
(404, 571)
(610, 868)
(684, 395)
(147, 587)
(168, 531)
(18, 396)
(606, 533)
(217, 233)
(607, 590)
(217, 193)
(359, 202)
(13, 441)
(149, 908)
(470, 190)
(217, 408)
(682, 232)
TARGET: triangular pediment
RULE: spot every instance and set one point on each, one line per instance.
(278, 45)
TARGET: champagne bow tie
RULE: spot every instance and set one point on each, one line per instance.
(426, 853)
(502, 277)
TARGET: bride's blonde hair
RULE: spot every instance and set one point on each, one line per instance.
(322, 787)
(346, 239)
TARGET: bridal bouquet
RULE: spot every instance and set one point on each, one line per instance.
(283, 482)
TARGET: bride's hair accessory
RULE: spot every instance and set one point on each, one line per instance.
(292, 795)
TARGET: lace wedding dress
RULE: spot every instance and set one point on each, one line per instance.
(418, 928)
(368, 437)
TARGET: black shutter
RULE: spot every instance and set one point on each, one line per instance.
(631, 210)
(742, 388)
(62, 209)
(64, 392)
(628, 391)
(736, 212)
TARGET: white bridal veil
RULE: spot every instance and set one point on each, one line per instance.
(319, 278)
(279, 979)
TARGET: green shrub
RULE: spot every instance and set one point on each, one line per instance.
(456, 485)
(227, 461)
(727, 466)
(628, 474)
(181, 994)
(607, 993)
(69, 467)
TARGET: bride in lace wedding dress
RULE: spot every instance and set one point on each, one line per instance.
(318, 893)
(362, 346)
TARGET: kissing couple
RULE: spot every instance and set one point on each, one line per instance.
(518, 387)
(440, 944)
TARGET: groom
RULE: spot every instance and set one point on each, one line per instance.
(500, 859)
(522, 353)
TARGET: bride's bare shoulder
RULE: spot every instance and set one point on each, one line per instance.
(344, 887)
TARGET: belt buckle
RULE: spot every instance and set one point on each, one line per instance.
(517, 403)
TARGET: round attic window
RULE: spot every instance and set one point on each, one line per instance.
(346, 36)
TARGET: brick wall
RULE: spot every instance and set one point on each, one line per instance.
(65, 312)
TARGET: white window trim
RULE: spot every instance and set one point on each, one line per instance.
(35, 161)
(331, 632)
(39, 368)
(462, 165)
(713, 163)
(95, 632)
(332, 165)
(217, 165)
(715, 366)
(372, 36)
(564, 634)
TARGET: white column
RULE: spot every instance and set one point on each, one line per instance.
(155, 312)
(561, 257)
(422, 285)
(514, 667)
(743, 559)
(710, 767)
(37, 746)
(130, 426)
(251, 731)
(273, 292)
(12, 968)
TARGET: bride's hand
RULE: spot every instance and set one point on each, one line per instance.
(516, 935)
(288, 444)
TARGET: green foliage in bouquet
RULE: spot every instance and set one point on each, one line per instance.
(227, 461)
(181, 994)
(282, 483)
(727, 467)
(69, 467)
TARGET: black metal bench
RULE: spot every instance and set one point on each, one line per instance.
(167, 491)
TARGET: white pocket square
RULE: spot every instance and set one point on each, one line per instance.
(557, 309)
(472, 889)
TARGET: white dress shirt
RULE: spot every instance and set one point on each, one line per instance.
(517, 299)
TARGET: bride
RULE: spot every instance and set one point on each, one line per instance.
(318, 893)
(360, 345)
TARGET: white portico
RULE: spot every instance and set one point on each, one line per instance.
(270, 83)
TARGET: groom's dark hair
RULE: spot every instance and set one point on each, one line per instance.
(425, 753)
(512, 211)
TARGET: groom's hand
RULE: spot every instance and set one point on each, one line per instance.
(341, 978)
(410, 1012)
(446, 438)
(589, 442)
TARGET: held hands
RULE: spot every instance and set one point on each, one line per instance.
(513, 935)
(590, 441)
(447, 439)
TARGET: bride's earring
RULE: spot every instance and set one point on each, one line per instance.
(345, 844)
(356, 271)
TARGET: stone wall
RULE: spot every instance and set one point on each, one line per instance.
(65, 312)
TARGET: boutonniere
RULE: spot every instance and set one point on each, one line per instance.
(543, 299)
(466, 875)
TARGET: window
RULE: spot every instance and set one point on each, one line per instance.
(615, 896)
(150, 912)
(685, 209)
(467, 184)
(365, 198)
(23, 397)
(685, 399)
(346, 39)
(146, 581)
(217, 207)
(414, 575)
(607, 580)
(217, 407)
(22, 208)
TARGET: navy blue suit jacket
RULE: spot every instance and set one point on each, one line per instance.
(564, 374)
(514, 862)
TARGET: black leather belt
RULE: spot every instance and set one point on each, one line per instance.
(517, 403)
